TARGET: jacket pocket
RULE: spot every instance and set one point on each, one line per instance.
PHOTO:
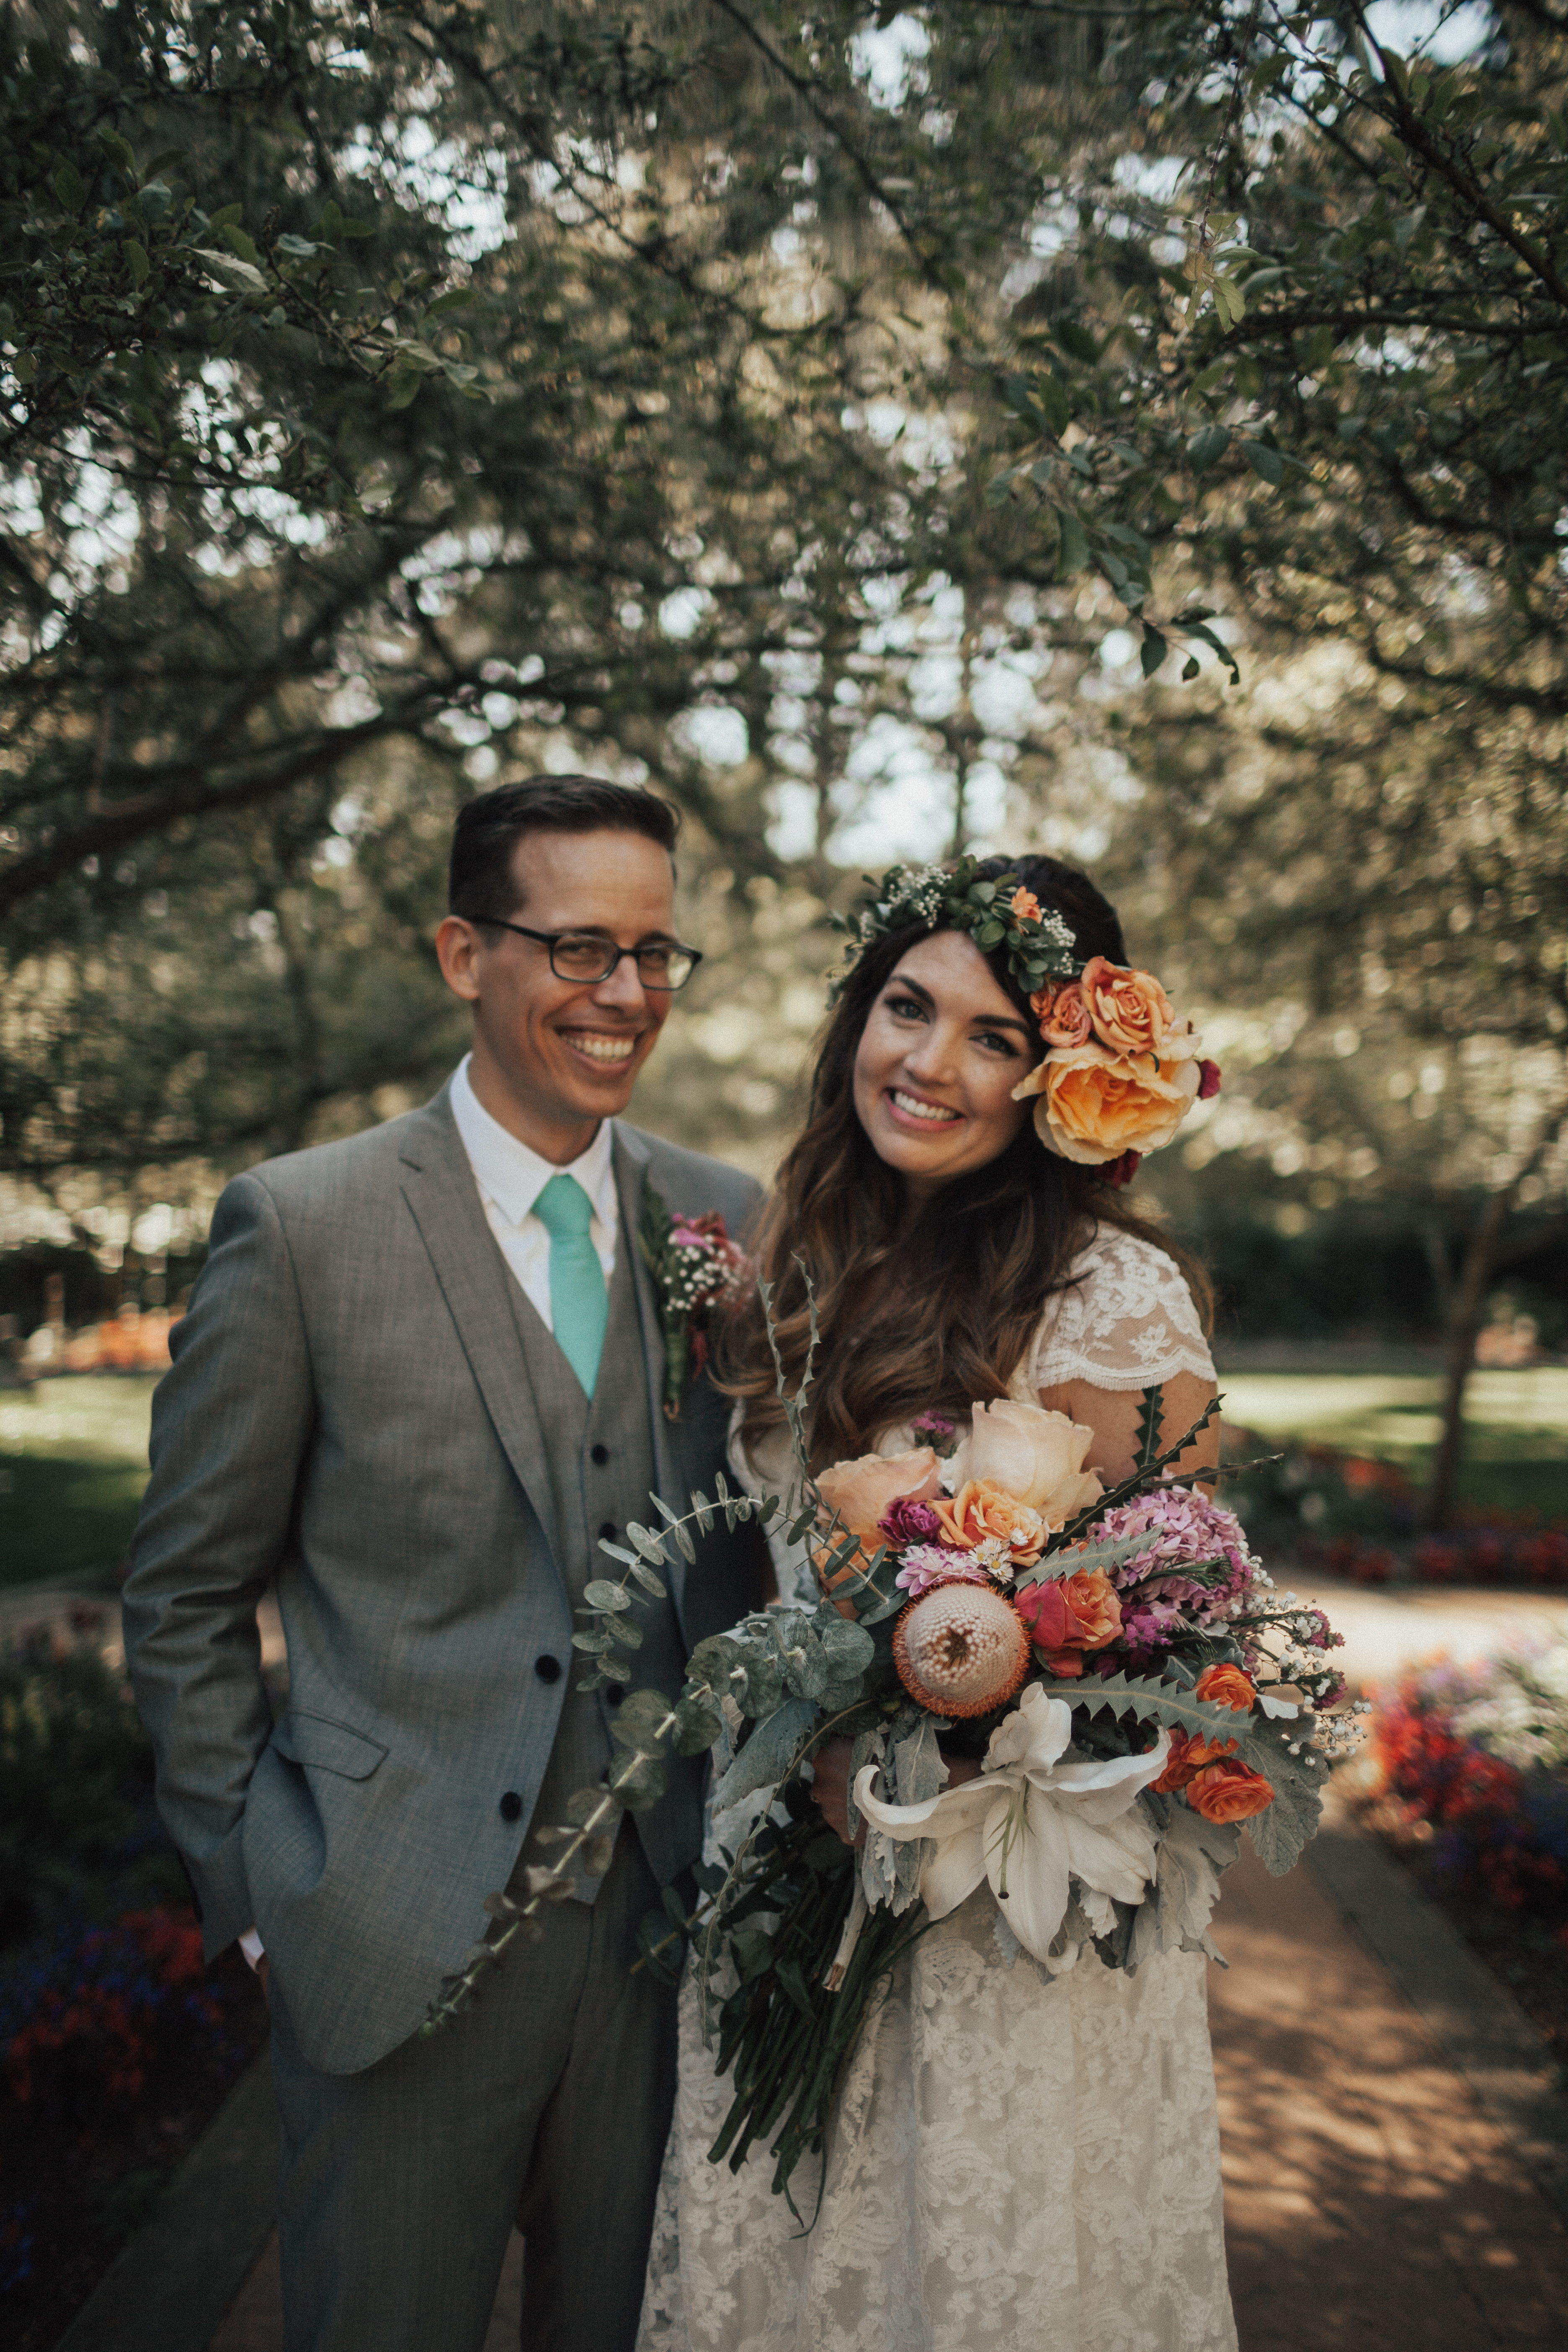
(317, 1739)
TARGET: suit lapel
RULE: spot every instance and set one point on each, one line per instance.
(444, 1201)
(630, 1156)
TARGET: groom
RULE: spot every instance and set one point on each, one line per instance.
(420, 1378)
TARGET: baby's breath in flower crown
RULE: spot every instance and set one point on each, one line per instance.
(1120, 1070)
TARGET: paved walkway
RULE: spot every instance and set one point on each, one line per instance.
(1369, 2196)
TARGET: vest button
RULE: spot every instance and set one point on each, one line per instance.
(510, 1806)
(615, 1693)
(599, 1454)
(548, 1669)
(608, 1532)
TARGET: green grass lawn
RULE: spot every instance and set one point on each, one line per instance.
(73, 1461)
(1516, 1451)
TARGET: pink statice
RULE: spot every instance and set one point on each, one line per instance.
(1185, 1530)
(927, 1564)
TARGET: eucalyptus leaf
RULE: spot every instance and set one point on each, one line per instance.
(767, 1754)
(602, 1594)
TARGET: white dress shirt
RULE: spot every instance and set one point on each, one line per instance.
(510, 1178)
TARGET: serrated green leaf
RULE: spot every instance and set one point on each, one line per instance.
(1158, 1702)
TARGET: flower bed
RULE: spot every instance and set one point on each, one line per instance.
(116, 2044)
(1469, 1770)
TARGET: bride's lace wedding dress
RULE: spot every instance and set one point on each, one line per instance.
(1016, 2162)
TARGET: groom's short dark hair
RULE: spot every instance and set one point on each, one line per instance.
(481, 880)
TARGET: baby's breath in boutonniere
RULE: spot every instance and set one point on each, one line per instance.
(697, 1269)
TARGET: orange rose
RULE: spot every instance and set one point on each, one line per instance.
(1228, 1686)
(1229, 1793)
(1025, 905)
(1096, 1105)
(1189, 1755)
(1062, 1013)
(1069, 1614)
(981, 1508)
(1129, 1009)
(859, 1492)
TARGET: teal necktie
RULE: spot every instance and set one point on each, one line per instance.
(579, 1304)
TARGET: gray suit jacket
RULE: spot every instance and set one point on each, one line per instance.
(348, 1411)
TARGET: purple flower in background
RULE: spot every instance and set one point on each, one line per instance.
(905, 1522)
(1185, 1530)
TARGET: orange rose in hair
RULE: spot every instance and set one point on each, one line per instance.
(1129, 1009)
(980, 1509)
(1062, 1014)
(1095, 1104)
(1229, 1793)
(1228, 1686)
(1069, 1615)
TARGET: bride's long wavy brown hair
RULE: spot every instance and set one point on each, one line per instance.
(986, 1254)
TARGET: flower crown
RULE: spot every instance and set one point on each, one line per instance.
(1120, 1071)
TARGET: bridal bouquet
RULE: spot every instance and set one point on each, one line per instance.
(1117, 1673)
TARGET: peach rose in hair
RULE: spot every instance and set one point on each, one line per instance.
(1096, 1105)
(1034, 1456)
(1128, 1008)
(1062, 1014)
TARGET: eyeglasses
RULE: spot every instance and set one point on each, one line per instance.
(588, 956)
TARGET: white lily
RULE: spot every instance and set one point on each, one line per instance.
(1030, 1825)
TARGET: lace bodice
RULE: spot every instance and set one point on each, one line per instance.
(1124, 1320)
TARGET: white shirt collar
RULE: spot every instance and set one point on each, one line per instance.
(513, 1175)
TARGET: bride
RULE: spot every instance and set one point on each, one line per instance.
(1016, 2162)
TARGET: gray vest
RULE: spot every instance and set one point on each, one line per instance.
(600, 1462)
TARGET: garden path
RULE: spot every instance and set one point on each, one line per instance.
(1368, 2196)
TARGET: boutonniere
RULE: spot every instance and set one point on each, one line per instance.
(697, 1269)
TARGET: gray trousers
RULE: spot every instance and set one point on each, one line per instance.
(551, 2094)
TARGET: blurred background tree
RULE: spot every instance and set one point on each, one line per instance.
(834, 418)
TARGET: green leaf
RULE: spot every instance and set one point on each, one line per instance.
(1152, 651)
(298, 248)
(460, 296)
(768, 1753)
(1160, 1702)
(1051, 399)
(595, 1644)
(1229, 300)
(650, 1583)
(356, 229)
(136, 255)
(602, 1594)
(1190, 669)
(697, 1726)
(1266, 463)
(1207, 447)
(1280, 1831)
(640, 1720)
(1072, 545)
(70, 191)
(641, 1785)
(617, 1551)
(1076, 341)
(650, 1545)
(584, 1803)
(121, 153)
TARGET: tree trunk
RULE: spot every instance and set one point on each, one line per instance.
(1463, 1327)
(1469, 1306)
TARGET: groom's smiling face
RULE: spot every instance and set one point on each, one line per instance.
(552, 1056)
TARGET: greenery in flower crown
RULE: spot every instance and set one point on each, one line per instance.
(995, 912)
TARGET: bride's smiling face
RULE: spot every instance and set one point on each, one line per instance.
(937, 1064)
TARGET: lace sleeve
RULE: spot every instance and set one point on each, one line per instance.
(1126, 1321)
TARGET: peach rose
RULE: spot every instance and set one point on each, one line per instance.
(1229, 1793)
(1129, 1009)
(1189, 1754)
(1062, 1014)
(1072, 1615)
(1034, 1456)
(981, 1509)
(1097, 1104)
(1228, 1686)
(1025, 906)
(860, 1491)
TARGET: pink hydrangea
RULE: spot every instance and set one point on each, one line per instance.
(927, 1564)
(1184, 1530)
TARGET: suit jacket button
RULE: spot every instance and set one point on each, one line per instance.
(609, 1530)
(615, 1693)
(548, 1669)
(599, 1454)
(510, 1806)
